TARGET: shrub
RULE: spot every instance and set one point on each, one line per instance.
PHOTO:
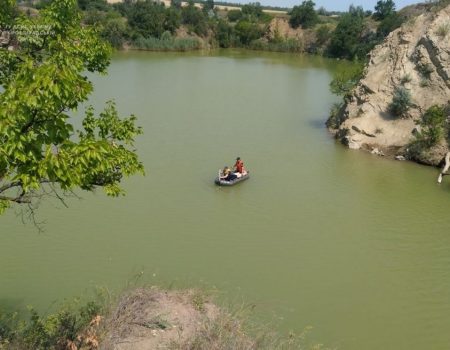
(433, 125)
(346, 79)
(401, 102)
(234, 15)
(323, 34)
(247, 31)
(334, 121)
(62, 329)
(224, 34)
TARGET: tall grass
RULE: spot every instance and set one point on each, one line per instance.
(288, 45)
(167, 44)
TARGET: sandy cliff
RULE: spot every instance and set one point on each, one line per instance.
(415, 56)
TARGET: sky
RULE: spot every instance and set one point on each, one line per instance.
(332, 5)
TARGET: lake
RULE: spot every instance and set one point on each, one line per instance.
(347, 242)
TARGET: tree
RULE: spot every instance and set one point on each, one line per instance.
(346, 39)
(208, 6)
(252, 11)
(194, 18)
(224, 33)
(147, 18)
(43, 79)
(247, 31)
(389, 24)
(304, 15)
(383, 9)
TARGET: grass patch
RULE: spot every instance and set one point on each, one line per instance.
(167, 43)
(443, 30)
(288, 45)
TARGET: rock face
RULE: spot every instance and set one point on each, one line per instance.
(415, 56)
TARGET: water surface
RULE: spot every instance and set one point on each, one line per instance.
(355, 246)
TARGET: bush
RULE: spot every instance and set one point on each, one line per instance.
(234, 15)
(304, 15)
(334, 121)
(401, 102)
(433, 125)
(224, 34)
(63, 329)
(323, 34)
(346, 79)
(247, 31)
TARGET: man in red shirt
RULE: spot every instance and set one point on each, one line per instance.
(239, 165)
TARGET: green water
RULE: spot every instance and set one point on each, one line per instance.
(356, 246)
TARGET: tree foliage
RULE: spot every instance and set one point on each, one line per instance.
(389, 24)
(147, 18)
(304, 15)
(383, 9)
(43, 80)
(346, 79)
(347, 38)
(252, 11)
(247, 31)
(195, 19)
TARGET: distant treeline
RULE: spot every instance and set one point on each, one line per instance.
(151, 26)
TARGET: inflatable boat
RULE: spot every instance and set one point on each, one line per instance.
(220, 182)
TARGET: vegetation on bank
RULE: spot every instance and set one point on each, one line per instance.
(349, 35)
(431, 136)
(433, 130)
(172, 319)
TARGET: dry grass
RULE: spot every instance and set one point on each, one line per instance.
(151, 318)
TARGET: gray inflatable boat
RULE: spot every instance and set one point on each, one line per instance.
(220, 182)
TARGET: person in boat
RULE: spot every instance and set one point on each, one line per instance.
(239, 167)
(227, 174)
